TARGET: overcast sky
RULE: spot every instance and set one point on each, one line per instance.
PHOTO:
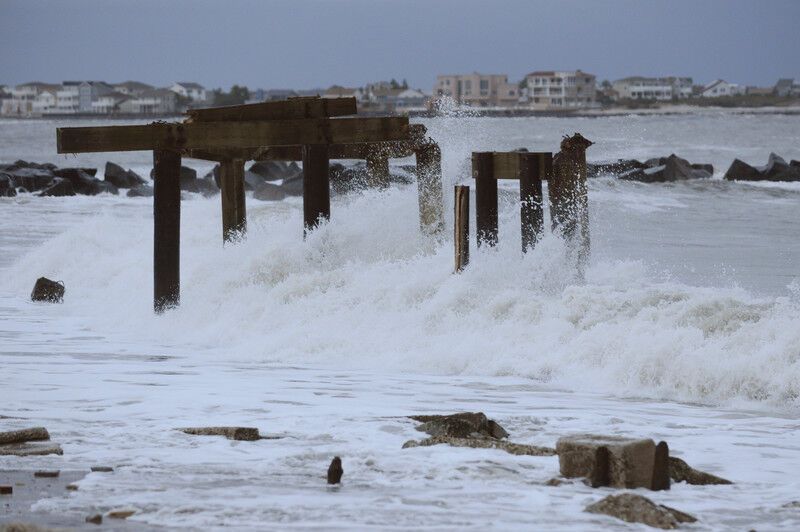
(316, 43)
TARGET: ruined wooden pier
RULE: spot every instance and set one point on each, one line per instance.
(313, 130)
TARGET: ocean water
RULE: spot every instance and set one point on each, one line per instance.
(686, 329)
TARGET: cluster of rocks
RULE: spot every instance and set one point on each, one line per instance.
(776, 169)
(656, 170)
(18, 443)
(602, 461)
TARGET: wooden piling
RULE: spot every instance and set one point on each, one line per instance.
(485, 198)
(461, 227)
(378, 169)
(167, 229)
(569, 202)
(430, 192)
(316, 185)
(231, 179)
(534, 168)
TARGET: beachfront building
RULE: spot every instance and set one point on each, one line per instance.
(720, 87)
(478, 90)
(560, 89)
(109, 103)
(44, 103)
(189, 89)
(22, 97)
(642, 88)
(131, 88)
(152, 102)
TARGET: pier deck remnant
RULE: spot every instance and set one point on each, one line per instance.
(313, 130)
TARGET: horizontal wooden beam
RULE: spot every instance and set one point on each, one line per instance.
(506, 165)
(291, 109)
(230, 135)
(392, 150)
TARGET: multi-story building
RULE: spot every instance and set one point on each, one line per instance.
(131, 88)
(22, 97)
(189, 89)
(642, 88)
(152, 102)
(478, 90)
(551, 89)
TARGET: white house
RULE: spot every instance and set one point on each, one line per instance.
(191, 90)
(154, 102)
(108, 103)
(68, 99)
(44, 103)
(720, 87)
(131, 88)
(22, 97)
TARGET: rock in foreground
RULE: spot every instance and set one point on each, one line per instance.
(121, 178)
(680, 471)
(614, 461)
(335, 471)
(461, 425)
(637, 509)
(24, 435)
(232, 433)
(48, 290)
(776, 169)
(518, 449)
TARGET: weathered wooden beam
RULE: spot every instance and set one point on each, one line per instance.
(569, 201)
(506, 164)
(231, 180)
(429, 188)
(461, 227)
(392, 149)
(166, 229)
(231, 135)
(291, 109)
(485, 198)
(534, 168)
(316, 186)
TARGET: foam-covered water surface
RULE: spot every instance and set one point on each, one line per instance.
(685, 329)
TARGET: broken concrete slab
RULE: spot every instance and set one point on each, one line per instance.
(24, 435)
(232, 433)
(680, 471)
(519, 449)
(637, 509)
(30, 449)
(629, 462)
(461, 425)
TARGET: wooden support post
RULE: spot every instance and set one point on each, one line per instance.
(231, 179)
(461, 226)
(485, 198)
(569, 202)
(378, 169)
(429, 188)
(167, 229)
(316, 185)
(533, 169)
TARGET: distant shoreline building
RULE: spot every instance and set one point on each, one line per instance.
(720, 87)
(643, 88)
(477, 90)
(560, 89)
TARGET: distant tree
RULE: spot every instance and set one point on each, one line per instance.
(606, 84)
(405, 84)
(393, 84)
(237, 95)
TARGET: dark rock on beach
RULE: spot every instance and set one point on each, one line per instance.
(519, 449)
(680, 471)
(335, 471)
(461, 425)
(232, 433)
(637, 509)
(776, 169)
(83, 183)
(269, 192)
(58, 186)
(613, 168)
(31, 179)
(7, 189)
(49, 291)
(121, 178)
(667, 169)
(24, 435)
(141, 191)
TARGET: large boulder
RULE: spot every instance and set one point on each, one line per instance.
(667, 169)
(680, 471)
(269, 192)
(59, 186)
(31, 179)
(85, 184)
(614, 168)
(19, 164)
(273, 170)
(294, 185)
(614, 461)
(142, 191)
(637, 509)
(461, 425)
(7, 186)
(190, 183)
(51, 292)
(121, 178)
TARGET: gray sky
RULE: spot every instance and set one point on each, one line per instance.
(303, 44)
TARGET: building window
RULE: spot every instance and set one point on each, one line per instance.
(484, 85)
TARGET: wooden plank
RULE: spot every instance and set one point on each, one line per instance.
(461, 227)
(231, 135)
(429, 188)
(485, 198)
(506, 164)
(316, 186)
(231, 180)
(291, 109)
(166, 230)
(534, 168)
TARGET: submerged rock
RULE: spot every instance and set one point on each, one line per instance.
(121, 178)
(58, 187)
(30, 449)
(680, 471)
(142, 191)
(49, 291)
(269, 192)
(232, 433)
(637, 509)
(31, 179)
(461, 425)
(84, 183)
(519, 449)
(335, 471)
(614, 168)
(668, 169)
(7, 189)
